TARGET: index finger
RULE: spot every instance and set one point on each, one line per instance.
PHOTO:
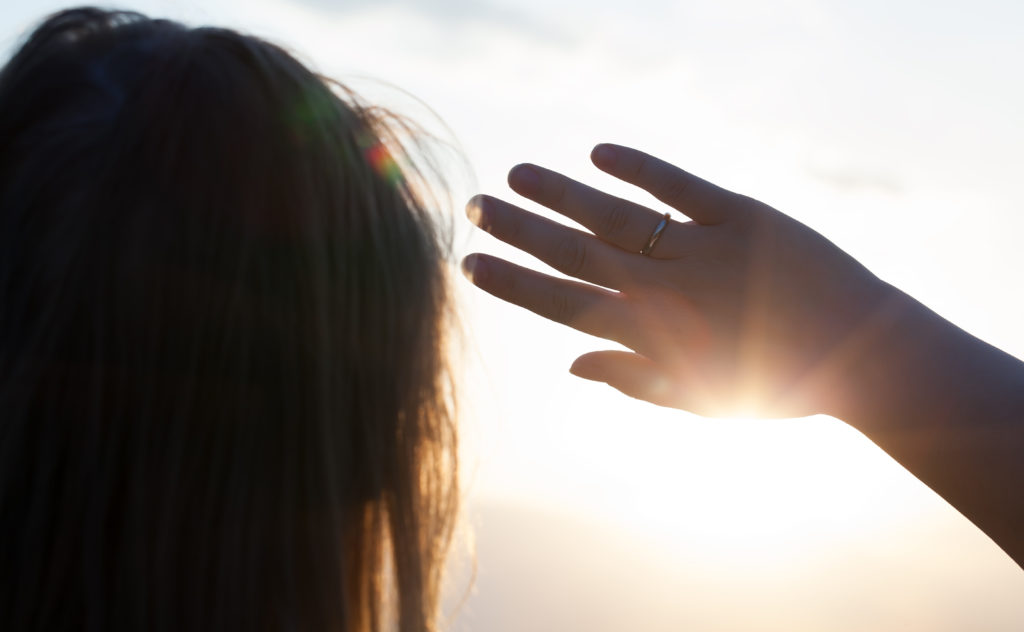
(702, 201)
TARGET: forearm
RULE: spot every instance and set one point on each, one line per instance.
(948, 407)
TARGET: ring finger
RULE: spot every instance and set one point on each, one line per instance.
(614, 220)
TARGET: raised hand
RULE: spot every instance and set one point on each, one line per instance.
(745, 311)
(742, 310)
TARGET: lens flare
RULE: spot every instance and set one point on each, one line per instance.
(383, 163)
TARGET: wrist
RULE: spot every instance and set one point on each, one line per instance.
(907, 366)
(887, 343)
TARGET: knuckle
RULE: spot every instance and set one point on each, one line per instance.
(674, 189)
(737, 202)
(561, 308)
(511, 228)
(571, 257)
(557, 191)
(745, 200)
(642, 166)
(613, 223)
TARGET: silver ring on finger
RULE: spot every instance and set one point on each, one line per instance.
(656, 235)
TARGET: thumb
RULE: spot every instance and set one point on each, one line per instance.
(630, 373)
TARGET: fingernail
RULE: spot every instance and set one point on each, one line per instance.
(475, 210)
(604, 156)
(524, 179)
(474, 268)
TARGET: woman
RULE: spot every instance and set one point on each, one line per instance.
(222, 363)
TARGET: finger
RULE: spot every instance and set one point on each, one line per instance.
(570, 251)
(630, 373)
(584, 307)
(619, 222)
(704, 202)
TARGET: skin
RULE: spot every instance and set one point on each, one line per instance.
(745, 311)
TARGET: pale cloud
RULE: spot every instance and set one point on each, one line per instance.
(857, 179)
(454, 14)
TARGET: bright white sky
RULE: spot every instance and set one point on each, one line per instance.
(894, 128)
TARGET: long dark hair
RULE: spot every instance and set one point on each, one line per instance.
(224, 401)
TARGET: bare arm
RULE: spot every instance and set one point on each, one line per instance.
(949, 408)
(743, 310)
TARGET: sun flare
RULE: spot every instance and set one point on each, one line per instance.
(765, 491)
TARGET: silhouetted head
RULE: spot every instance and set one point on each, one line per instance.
(223, 392)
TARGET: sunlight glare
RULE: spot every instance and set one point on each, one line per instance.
(753, 491)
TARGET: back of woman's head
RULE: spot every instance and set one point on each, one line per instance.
(222, 379)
